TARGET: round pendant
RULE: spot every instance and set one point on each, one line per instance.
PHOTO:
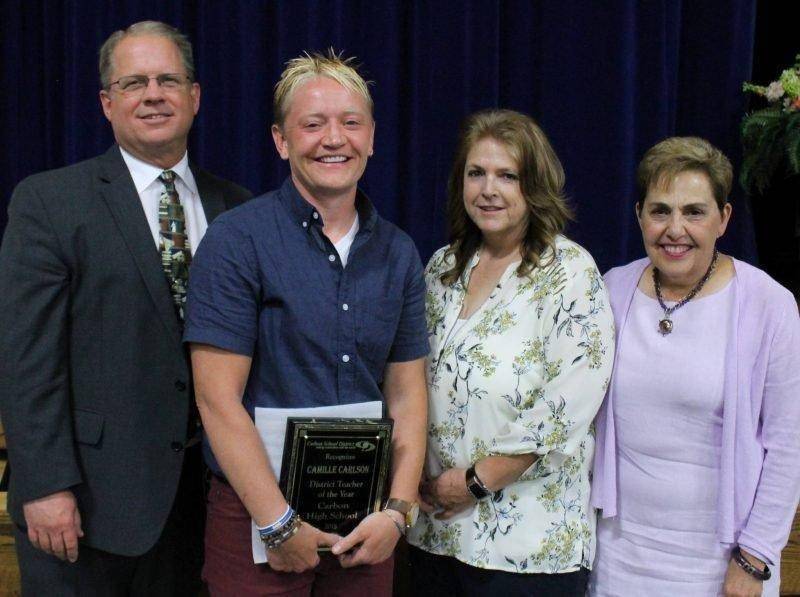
(665, 326)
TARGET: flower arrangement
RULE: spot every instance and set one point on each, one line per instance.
(771, 135)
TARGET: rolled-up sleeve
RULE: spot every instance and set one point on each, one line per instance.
(224, 289)
(574, 354)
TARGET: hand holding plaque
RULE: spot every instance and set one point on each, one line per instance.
(334, 470)
(371, 542)
(301, 552)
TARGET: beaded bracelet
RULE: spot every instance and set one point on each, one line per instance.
(286, 532)
(744, 564)
(271, 528)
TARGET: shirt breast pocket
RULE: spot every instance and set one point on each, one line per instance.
(377, 327)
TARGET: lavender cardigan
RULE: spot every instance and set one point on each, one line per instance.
(760, 465)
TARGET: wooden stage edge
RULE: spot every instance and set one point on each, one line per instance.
(790, 561)
(9, 571)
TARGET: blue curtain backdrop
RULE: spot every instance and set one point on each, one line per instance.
(606, 80)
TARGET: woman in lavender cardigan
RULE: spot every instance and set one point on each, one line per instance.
(697, 467)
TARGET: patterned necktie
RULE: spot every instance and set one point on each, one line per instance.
(174, 245)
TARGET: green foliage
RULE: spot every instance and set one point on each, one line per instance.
(751, 88)
(771, 143)
(790, 82)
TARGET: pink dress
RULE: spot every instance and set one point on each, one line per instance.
(668, 417)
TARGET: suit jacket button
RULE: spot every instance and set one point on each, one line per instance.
(176, 446)
(180, 386)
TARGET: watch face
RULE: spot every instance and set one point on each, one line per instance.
(412, 515)
(476, 490)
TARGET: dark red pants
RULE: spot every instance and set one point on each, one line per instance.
(229, 567)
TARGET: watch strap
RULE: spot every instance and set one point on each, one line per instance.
(401, 528)
(475, 486)
(744, 564)
(401, 506)
(409, 510)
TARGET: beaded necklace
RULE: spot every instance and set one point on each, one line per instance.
(665, 326)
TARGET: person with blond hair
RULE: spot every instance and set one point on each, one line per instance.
(522, 345)
(697, 441)
(307, 297)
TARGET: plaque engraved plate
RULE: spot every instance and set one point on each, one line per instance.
(335, 470)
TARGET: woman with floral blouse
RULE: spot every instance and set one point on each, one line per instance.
(521, 352)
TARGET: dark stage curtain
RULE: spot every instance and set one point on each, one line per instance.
(605, 79)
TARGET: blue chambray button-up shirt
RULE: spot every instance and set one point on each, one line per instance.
(267, 283)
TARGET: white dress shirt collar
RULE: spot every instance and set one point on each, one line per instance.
(149, 189)
(144, 174)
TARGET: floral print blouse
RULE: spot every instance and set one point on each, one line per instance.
(526, 373)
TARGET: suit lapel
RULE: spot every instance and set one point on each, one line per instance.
(120, 194)
(210, 194)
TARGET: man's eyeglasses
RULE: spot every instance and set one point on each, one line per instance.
(133, 84)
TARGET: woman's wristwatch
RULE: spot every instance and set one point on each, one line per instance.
(743, 563)
(475, 486)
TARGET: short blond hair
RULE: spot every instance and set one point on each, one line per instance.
(310, 65)
(674, 155)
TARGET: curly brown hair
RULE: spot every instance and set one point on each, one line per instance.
(541, 181)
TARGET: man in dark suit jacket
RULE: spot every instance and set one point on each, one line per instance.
(95, 387)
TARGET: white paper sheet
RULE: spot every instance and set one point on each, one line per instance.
(271, 426)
